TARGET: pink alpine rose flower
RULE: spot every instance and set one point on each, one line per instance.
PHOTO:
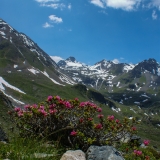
(52, 111)
(137, 152)
(73, 133)
(98, 126)
(82, 104)
(26, 107)
(43, 112)
(17, 109)
(99, 109)
(41, 107)
(117, 121)
(90, 119)
(34, 106)
(100, 116)
(52, 106)
(67, 104)
(20, 113)
(134, 128)
(58, 97)
(146, 142)
(76, 99)
(81, 120)
(111, 118)
(49, 98)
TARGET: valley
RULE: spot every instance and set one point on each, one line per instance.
(28, 75)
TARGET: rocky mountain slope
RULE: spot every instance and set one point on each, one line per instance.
(117, 80)
(25, 67)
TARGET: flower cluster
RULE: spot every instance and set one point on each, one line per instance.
(137, 152)
(72, 122)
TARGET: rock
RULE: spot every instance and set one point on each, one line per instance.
(103, 153)
(135, 137)
(143, 146)
(127, 137)
(73, 155)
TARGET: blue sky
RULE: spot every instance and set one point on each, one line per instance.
(89, 30)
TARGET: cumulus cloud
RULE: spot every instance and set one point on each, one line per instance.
(156, 3)
(123, 4)
(47, 25)
(127, 5)
(55, 19)
(56, 58)
(154, 15)
(98, 3)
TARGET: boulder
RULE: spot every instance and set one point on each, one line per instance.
(73, 155)
(103, 153)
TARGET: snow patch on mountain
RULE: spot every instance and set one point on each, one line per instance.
(158, 71)
(118, 84)
(116, 109)
(15, 66)
(26, 40)
(128, 67)
(46, 74)
(15, 100)
(144, 95)
(77, 79)
(34, 71)
(3, 82)
(2, 33)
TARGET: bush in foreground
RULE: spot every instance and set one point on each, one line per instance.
(71, 123)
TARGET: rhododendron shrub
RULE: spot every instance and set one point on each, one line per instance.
(133, 151)
(71, 122)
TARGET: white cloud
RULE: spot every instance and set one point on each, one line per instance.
(98, 3)
(47, 25)
(154, 15)
(56, 58)
(116, 61)
(69, 6)
(55, 19)
(156, 3)
(127, 5)
(54, 5)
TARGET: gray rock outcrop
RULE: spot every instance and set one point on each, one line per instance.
(103, 153)
(73, 155)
